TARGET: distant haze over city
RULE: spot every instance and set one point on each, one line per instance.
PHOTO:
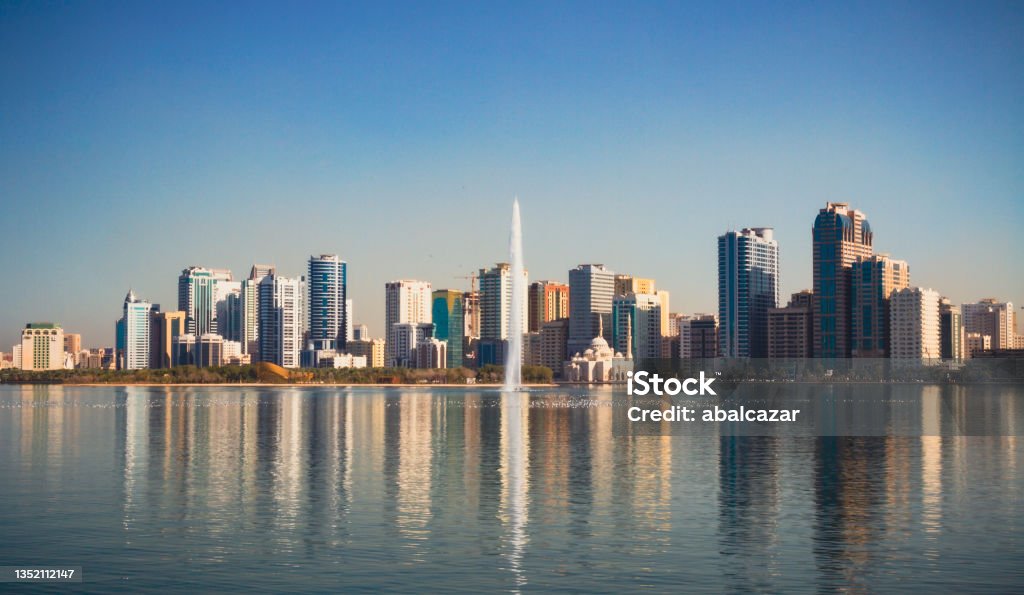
(137, 141)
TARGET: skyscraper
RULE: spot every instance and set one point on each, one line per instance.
(405, 301)
(133, 334)
(449, 323)
(496, 302)
(250, 309)
(872, 281)
(197, 298)
(840, 235)
(591, 289)
(280, 320)
(548, 301)
(327, 307)
(914, 326)
(228, 300)
(748, 286)
(636, 320)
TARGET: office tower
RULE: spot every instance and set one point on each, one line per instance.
(951, 331)
(496, 302)
(407, 336)
(591, 289)
(698, 337)
(914, 326)
(872, 281)
(280, 320)
(211, 350)
(626, 284)
(42, 346)
(163, 327)
(430, 353)
(405, 301)
(371, 349)
(548, 301)
(72, 343)
(748, 285)
(993, 318)
(133, 334)
(636, 319)
(250, 309)
(790, 333)
(449, 324)
(326, 308)
(840, 235)
(554, 335)
(360, 332)
(197, 298)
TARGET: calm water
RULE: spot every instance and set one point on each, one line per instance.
(214, 489)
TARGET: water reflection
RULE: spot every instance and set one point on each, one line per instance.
(515, 490)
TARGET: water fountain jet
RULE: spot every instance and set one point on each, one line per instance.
(514, 353)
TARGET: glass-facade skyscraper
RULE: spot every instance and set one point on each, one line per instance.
(841, 235)
(748, 285)
(449, 323)
(328, 317)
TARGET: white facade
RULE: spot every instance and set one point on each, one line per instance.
(407, 335)
(134, 330)
(42, 347)
(496, 302)
(406, 301)
(431, 353)
(914, 326)
(280, 320)
(993, 318)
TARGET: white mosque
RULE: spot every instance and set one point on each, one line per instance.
(599, 363)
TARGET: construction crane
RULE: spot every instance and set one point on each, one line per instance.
(472, 280)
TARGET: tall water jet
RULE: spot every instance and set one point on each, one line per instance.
(514, 353)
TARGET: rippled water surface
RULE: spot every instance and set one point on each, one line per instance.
(214, 489)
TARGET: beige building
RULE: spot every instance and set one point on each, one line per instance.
(914, 326)
(371, 349)
(872, 281)
(42, 346)
(554, 336)
(975, 343)
(73, 347)
(548, 301)
(163, 327)
(790, 332)
(992, 318)
(625, 284)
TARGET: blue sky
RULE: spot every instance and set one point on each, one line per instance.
(137, 139)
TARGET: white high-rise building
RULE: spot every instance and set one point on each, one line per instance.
(280, 320)
(914, 326)
(350, 331)
(250, 309)
(496, 302)
(748, 286)
(227, 297)
(327, 313)
(133, 334)
(42, 347)
(405, 301)
(407, 335)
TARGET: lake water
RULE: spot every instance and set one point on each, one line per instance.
(331, 489)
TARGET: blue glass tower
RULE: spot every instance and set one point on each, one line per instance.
(328, 318)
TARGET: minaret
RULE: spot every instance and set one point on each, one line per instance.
(629, 337)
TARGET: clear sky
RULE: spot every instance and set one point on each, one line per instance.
(138, 138)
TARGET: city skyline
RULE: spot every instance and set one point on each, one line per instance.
(634, 135)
